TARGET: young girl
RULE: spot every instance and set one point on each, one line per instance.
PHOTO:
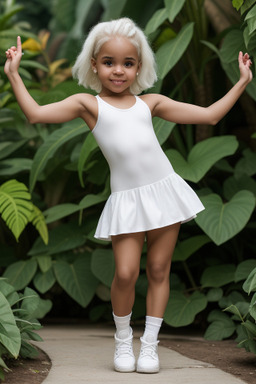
(148, 200)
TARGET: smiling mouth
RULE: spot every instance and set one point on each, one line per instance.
(118, 82)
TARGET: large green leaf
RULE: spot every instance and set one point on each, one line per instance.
(181, 310)
(88, 147)
(202, 157)
(44, 262)
(103, 265)
(218, 275)
(82, 10)
(77, 279)
(232, 44)
(12, 166)
(113, 9)
(222, 221)
(221, 326)
(15, 206)
(37, 219)
(63, 210)
(232, 185)
(29, 303)
(184, 249)
(250, 283)
(171, 51)
(9, 333)
(43, 281)
(244, 269)
(10, 11)
(247, 164)
(62, 238)
(20, 274)
(173, 7)
(251, 19)
(156, 20)
(8, 147)
(50, 146)
(163, 129)
(252, 307)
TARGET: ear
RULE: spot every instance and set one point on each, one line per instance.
(139, 67)
(93, 64)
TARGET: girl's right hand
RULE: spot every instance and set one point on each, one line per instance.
(13, 56)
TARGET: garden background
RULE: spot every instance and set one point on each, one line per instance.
(54, 180)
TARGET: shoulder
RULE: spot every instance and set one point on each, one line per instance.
(85, 99)
(87, 102)
(88, 106)
(153, 100)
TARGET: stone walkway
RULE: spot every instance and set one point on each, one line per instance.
(84, 354)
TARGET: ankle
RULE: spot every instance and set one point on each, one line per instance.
(122, 323)
(152, 328)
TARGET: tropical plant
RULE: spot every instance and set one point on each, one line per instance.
(19, 314)
(68, 177)
(241, 307)
(17, 210)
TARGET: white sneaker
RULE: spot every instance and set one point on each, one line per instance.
(148, 361)
(124, 359)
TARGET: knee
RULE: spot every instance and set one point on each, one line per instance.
(126, 277)
(158, 273)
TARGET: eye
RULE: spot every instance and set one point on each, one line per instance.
(128, 64)
(108, 63)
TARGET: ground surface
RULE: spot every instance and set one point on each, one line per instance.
(26, 371)
(222, 354)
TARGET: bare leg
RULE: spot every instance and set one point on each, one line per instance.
(161, 244)
(127, 252)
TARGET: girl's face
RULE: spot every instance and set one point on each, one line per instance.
(117, 65)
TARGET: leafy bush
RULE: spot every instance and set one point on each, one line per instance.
(68, 177)
(242, 308)
(19, 314)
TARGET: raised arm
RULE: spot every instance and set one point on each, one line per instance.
(184, 113)
(59, 112)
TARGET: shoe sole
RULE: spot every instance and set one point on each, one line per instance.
(140, 370)
(125, 370)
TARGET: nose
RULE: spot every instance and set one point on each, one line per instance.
(118, 70)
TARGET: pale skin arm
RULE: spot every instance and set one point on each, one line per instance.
(68, 109)
(184, 113)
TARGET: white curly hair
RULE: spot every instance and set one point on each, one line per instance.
(100, 34)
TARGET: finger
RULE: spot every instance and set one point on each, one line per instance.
(240, 57)
(19, 48)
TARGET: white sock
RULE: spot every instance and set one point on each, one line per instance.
(123, 329)
(152, 328)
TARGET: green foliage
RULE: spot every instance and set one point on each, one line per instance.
(202, 157)
(17, 209)
(51, 145)
(221, 221)
(181, 310)
(77, 279)
(243, 319)
(171, 51)
(69, 178)
(19, 314)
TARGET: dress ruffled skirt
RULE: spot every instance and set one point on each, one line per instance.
(165, 202)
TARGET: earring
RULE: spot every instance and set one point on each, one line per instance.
(95, 70)
(137, 74)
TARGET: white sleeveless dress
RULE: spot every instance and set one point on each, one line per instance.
(146, 193)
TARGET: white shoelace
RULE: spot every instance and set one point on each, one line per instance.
(149, 349)
(124, 346)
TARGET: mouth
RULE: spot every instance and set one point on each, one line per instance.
(117, 82)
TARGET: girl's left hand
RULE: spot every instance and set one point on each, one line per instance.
(244, 67)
